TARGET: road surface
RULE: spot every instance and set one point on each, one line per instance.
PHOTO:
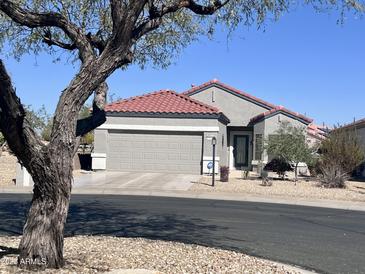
(324, 240)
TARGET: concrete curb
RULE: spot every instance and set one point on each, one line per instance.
(334, 204)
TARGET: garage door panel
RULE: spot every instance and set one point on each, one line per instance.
(155, 152)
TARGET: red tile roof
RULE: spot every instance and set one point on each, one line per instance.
(319, 132)
(280, 109)
(216, 82)
(163, 101)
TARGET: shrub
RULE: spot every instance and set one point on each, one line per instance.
(333, 177)
(224, 173)
(290, 144)
(341, 154)
(280, 166)
(314, 167)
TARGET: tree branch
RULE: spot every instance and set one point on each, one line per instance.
(21, 138)
(146, 27)
(156, 15)
(34, 20)
(116, 13)
(47, 38)
(97, 42)
(204, 10)
(98, 115)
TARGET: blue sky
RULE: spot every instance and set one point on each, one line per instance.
(305, 61)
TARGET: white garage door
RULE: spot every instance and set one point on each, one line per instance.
(154, 152)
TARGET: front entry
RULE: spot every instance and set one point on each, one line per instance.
(240, 150)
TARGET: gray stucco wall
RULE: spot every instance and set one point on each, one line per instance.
(259, 128)
(101, 135)
(223, 144)
(273, 123)
(268, 127)
(238, 110)
(160, 121)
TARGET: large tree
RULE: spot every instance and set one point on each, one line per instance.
(102, 36)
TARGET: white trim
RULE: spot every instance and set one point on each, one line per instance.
(159, 128)
(210, 158)
(98, 155)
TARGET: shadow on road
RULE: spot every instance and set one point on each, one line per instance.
(96, 218)
(102, 218)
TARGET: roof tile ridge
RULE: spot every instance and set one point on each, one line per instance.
(212, 108)
(217, 82)
(138, 96)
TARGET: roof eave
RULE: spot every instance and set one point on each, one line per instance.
(232, 91)
(264, 117)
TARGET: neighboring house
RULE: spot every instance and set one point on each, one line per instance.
(169, 132)
(316, 134)
(359, 126)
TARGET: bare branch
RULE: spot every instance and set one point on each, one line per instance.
(34, 20)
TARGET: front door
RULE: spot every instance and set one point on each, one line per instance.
(240, 144)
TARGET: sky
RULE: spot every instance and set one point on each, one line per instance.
(306, 62)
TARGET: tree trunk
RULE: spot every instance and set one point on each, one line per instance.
(296, 172)
(42, 242)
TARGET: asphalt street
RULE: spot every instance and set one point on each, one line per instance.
(320, 239)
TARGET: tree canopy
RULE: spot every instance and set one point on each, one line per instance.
(162, 28)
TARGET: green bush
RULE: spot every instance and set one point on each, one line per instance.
(280, 166)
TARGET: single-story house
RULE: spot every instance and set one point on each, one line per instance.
(165, 131)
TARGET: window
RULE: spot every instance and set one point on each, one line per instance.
(259, 146)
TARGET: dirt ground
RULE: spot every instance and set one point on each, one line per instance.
(355, 191)
(89, 254)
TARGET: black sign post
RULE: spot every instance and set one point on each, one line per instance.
(214, 142)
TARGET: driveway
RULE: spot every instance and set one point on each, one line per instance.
(135, 181)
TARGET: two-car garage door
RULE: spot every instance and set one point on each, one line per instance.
(154, 151)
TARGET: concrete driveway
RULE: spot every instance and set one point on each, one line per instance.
(135, 181)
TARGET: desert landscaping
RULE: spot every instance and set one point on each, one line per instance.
(305, 188)
(87, 254)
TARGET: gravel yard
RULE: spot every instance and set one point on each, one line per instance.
(355, 191)
(87, 254)
(7, 169)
